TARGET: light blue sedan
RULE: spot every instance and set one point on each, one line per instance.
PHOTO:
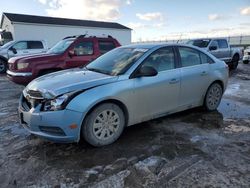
(125, 86)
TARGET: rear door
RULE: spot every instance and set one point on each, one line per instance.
(84, 52)
(158, 95)
(194, 76)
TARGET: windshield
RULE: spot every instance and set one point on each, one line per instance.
(8, 44)
(199, 43)
(60, 47)
(116, 61)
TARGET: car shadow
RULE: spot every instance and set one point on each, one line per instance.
(139, 141)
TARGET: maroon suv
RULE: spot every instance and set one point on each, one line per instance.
(73, 51)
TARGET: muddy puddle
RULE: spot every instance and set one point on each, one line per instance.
(234, 109)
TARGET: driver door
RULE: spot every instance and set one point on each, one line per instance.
(158, 95)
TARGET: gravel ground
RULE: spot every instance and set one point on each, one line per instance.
(188, 149)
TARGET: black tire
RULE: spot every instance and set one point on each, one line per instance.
(246, 61)
(3, 66)
(235, 62)
(213, 97)
(97, 127)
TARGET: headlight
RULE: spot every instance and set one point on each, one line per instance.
(56, 104)
(245, 53)
(22, 65)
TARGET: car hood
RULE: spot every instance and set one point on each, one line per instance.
(58, 83)
(33, 58)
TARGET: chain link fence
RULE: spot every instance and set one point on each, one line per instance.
(237, 41)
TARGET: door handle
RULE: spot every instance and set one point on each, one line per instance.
(25, 52)
(203, 73)
(174, 81)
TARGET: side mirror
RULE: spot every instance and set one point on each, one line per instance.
(13, 50)
(71, 53)
(212, 48)
(147, 71)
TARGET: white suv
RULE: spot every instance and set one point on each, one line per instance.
(20, 48)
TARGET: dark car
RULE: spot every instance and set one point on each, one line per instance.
(72, 51)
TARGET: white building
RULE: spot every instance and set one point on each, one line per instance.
(51, 29)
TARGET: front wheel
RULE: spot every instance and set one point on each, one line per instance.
(103, 125)
(3, 66)
(213, 97)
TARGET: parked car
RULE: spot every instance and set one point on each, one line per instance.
(246, 57)
(20, 48)
(72, 51)
(221, 49)
(125, 86)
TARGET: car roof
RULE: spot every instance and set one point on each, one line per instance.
(157, 45)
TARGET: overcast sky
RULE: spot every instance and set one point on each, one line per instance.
(150, 20)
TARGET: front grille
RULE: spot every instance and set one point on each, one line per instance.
(35, 94)
(26, 104)
(30, 102)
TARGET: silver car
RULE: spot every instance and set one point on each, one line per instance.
(125, 86)
(20, 48)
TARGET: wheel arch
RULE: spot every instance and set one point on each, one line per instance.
(114, 101)
(215, 81)
(5, 64)
(219, 82)
(3, 58)
(236, 55)
(205, 96)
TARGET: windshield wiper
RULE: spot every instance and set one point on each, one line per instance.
(98, 70)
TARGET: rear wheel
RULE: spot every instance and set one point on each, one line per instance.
(213, 97)
(246, 61)
(235, 62)
(3, 66)
(103, 125)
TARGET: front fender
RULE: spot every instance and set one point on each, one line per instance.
(86, 100)
(4, 58)
(121, 91)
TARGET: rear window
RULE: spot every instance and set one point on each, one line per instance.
(205, 59)
(35, 45)
(200, 43)
(105, 46)
(189, 56)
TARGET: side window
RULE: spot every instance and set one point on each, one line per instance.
(35, 45)
(84, 48)
(222, 44)
(161, 60)
(214, 43)
(189, 57)
(105, 46)
(205, 59)
(21, 45)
